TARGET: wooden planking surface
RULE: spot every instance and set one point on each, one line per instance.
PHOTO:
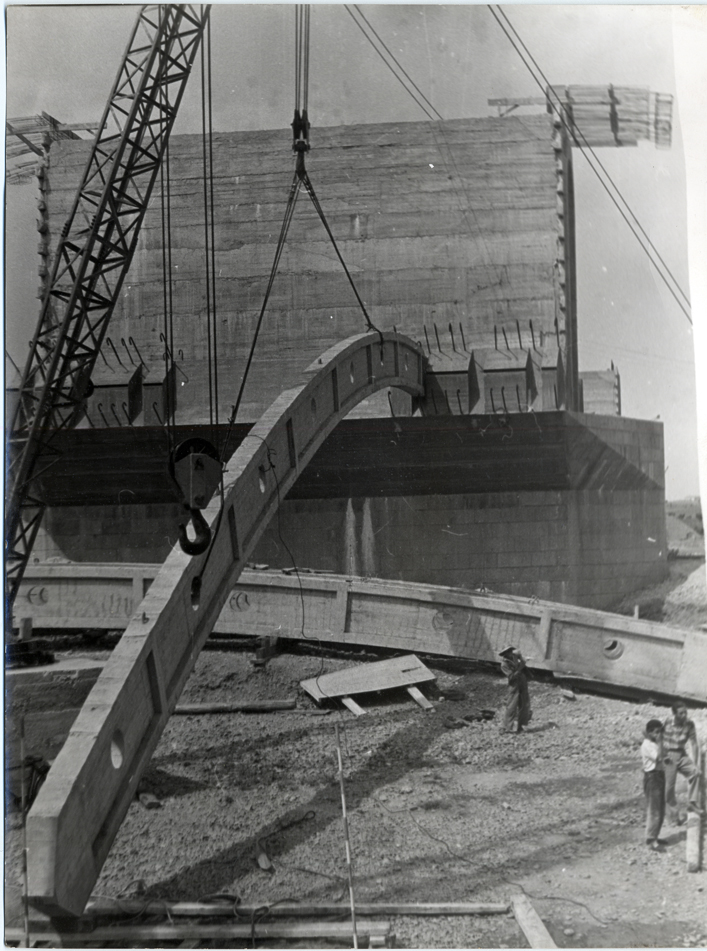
(380, 675)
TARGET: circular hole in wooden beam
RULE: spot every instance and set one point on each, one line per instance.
(613, 648)
(117, 747)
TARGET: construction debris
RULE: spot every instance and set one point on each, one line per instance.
(146, 798)
(245, 706)
(130, 907)
(250, 930)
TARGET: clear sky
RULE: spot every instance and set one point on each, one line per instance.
(63, 60)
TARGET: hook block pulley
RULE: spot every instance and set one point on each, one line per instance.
(196, 468)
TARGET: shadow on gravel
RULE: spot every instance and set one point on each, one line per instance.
(541, 729)
(392, 762)
(166, 785)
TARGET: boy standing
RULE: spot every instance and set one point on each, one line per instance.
(653, 782)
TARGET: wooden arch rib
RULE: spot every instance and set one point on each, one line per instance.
(88, 790)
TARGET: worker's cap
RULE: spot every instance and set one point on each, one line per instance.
(506, 650)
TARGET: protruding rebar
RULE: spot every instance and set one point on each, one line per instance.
(115, 353)
(130, 356)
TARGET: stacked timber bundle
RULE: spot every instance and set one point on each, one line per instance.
(616, 115)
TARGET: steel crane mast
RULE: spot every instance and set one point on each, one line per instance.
(93, 255)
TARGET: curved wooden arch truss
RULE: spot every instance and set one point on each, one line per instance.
(78, 811)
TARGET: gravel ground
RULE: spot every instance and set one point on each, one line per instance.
(435, 814)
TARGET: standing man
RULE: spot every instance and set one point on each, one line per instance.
(518, 713)
(681, 756)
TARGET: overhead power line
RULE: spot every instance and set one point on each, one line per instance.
(559, 108)
(425, 105)
(432, 114)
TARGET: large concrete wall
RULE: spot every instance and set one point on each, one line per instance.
(595, 534)
(582, 547)
(466, 223)
(459, 222)
(588, 548)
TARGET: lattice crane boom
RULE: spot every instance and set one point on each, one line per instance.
(93, 255)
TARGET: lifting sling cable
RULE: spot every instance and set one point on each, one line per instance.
(300, 130)
(289, 211)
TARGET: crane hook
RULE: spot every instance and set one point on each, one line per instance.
(202, 531)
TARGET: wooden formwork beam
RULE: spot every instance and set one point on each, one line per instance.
(93, 780)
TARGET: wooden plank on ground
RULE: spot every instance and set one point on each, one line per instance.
(239, 706)
(693, 842)
(380, 675)
(353, 706)
(530, 923)
(420, 698)
(297, 930)
(129, 907)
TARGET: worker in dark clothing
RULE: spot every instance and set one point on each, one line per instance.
(518, 713)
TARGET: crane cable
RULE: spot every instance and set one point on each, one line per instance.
(300, 144)
(302, 14)
(430, 112)
(209, 232)
(576, 132)
(580, 140)
(464, 201)
(167, 335)
(300, 131)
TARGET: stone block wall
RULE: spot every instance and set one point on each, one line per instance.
(580, 547)
(585, 547)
